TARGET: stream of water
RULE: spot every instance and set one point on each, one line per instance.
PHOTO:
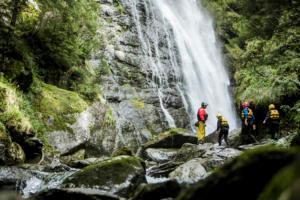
(193, 51)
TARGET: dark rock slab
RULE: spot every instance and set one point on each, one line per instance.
(118, 175)
(74, 194)
(171, 139)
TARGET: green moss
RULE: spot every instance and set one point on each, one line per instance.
(12, 115)
(119, 7)
(8, 96)
(109, 119)
(4, 137)
(123, 151)
(172, 131)
(113, 171)
(138, 103)
(14, 154)
(84, 81)
(104, 67)
(56, 107)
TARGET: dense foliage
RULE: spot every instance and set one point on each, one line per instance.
(44, 48)
(45, 38)
(262, 43)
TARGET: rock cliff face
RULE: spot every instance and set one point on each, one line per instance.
(144, 100)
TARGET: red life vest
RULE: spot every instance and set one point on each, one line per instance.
(202, 114)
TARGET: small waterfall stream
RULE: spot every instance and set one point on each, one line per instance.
(193, 53)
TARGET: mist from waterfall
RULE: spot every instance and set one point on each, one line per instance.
(194, 54)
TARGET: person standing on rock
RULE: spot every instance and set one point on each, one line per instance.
(248, 119)
(272, 119)
(222, 128)
(202, 117)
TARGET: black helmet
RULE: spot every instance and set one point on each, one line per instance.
(203, 104)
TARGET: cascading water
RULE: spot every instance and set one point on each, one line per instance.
(150, 39)
(205, 77)
(195, 60)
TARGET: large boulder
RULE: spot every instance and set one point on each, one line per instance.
(161, 155)
(14, 154)
(189, 172)
(165, 190)
(190, 151)
(248, 174)
(162, 170)
(118, 175)
(5, 142)
(74, 194)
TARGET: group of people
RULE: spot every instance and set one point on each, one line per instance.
(272, 119)
(222, 125)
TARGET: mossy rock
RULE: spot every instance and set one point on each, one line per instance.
(245, 177)
(12, 116)
(78, 155)
(188, 152)
(173, 138)
(124, 151)
(284, 184)
(57, 107)
(19, 126)
(74, 194)
(119, 175)
(138, 103)
(165, 190)
(4, 138)
(14, 154)
(8, 97)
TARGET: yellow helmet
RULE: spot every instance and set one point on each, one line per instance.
(218, 115)
(271, 106)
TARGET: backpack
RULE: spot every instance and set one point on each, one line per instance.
(274, 114)
(224, 122)
(247, 111)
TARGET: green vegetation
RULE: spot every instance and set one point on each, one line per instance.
(138, 103)
(45, 38)
(57, 107)
(12, 117)
(45, 80)
(261, 41)
(119, 6)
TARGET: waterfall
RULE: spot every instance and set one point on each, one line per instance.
(195, 61)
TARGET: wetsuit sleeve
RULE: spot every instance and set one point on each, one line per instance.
(267, 116)
(198, 115)
(219, 125)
